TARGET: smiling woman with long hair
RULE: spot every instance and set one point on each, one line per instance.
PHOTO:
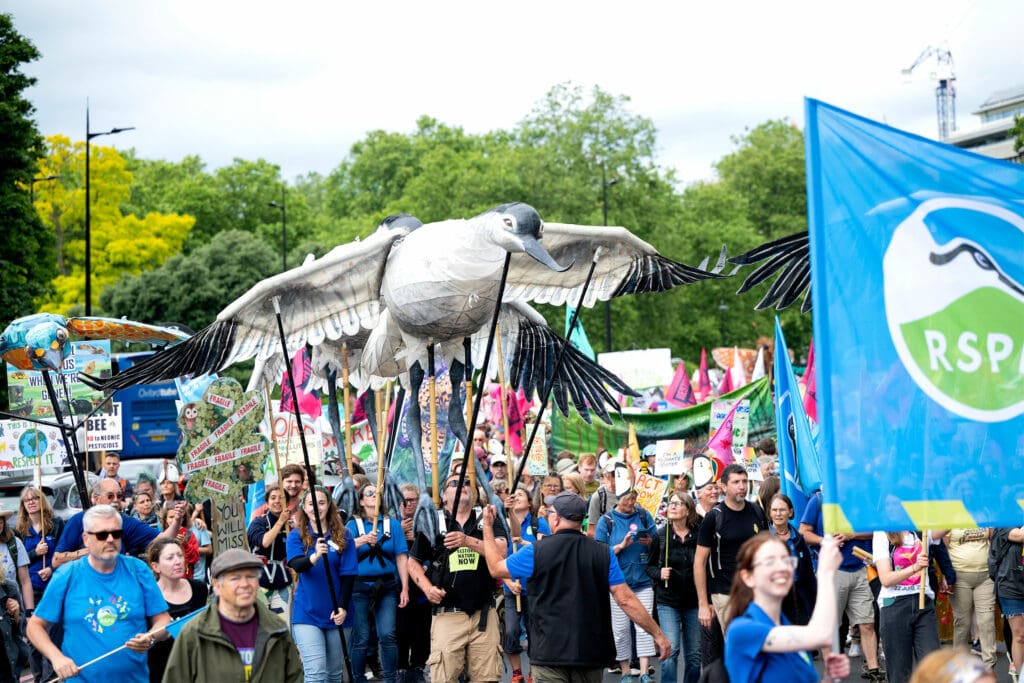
(760, 644)
(315, 622)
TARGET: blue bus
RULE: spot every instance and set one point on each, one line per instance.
(149, 414)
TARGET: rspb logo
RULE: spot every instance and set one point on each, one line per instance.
(954, 304)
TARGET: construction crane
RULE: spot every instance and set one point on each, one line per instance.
(945, 92)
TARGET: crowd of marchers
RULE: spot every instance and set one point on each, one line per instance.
(722, 583)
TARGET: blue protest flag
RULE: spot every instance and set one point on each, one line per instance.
(174, 628)
(918, 293)
(578, 338)
(799, 469)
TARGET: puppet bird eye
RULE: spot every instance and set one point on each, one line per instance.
(508, 222)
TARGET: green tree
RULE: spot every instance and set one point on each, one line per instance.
(768, 170)
(120, 243)
(193, 288)
(1018, 134)
(27, 264)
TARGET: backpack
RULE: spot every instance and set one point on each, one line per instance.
(609, 520)
(997, 552)
(717, 511)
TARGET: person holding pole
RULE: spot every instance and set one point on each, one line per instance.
(382, 586)
(526, 529)
(464, 632)
(315, 621)
(906, 616)
(760, 643)
(670, 566)
(102, 600)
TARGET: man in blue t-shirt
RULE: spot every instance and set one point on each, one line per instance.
(853, 594)
(136, 535)
(103, 601)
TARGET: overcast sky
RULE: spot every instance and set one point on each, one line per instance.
(297, 83)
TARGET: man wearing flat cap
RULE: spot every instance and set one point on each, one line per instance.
(570, 577)
(238, 638)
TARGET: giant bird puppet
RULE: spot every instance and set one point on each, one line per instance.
(387, 304)
(40, 342)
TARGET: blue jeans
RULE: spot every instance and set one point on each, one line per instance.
(384, 604)
(320, 649)
(682, 628)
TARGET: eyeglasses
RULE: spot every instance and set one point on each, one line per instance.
(369, 493)
(772, 562)
(676, 503)
(30, 500)
(112, 496)
(552, 487)
(410, 501)
(104, 535)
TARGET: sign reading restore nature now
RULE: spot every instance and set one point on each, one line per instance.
(917, 266)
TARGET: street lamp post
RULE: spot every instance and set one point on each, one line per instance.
(89, 135)
(284, 229)
(605, 184)
(722, 308)
(32, 185)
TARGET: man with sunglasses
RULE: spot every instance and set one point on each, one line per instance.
(137, 535)
(103, 601)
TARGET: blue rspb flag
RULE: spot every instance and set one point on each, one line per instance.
(917, 265)
(798, 453)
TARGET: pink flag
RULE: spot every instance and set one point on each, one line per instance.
(811, 387)
(721, 441)
(738, 372)
(680, 392)
(704, 385)
(309, 402)
(726, 386)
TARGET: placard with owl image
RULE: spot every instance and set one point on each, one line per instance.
(221, 449)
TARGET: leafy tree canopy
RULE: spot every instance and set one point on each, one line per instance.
(120, 243)
(27, 263)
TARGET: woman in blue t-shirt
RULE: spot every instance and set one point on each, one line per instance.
(382, 586)
(760, 644)
(315, 622)
(521, 511)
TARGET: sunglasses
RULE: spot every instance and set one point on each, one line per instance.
(453, 484)
(113, 496)
(369, 493)
(410, 501)
(104, 535)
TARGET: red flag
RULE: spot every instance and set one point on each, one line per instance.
(680, 392)
(811, 387)
(704, 383)
(721, 441)
(309, 402)
(726, 386)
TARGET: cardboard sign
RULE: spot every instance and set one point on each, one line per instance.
(22, 443)
(221, 446)
(649, 491)
(640, 369)
(537, 459)
(740, 424)
(103, 431)
(670, 457)
(229, 524)
(26, 389)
